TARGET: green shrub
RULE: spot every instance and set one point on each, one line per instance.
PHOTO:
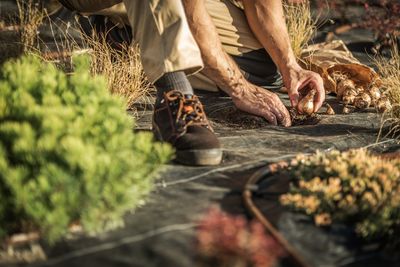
(352, 187)
(68, 153)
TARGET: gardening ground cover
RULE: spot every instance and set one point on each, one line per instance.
(162, 232)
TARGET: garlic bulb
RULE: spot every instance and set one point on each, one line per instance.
(350, 92)
(343, 86)
(349, 99)
(339, 76)
(346, 110)
(363, 101)
(383, 105)
(375, 93)
(329, 110)
(306, 104)
(359, 90)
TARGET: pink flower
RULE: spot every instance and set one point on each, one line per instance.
(227, 239)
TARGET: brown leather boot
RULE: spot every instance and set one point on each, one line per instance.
(180, 120)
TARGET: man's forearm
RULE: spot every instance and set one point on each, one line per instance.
(218, 65)
(267, 21)
(221, 68)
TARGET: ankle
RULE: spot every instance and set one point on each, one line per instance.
(173, 81)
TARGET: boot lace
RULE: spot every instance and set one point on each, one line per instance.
(187, 110)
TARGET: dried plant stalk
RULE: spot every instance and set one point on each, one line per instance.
(389, 69)
(301, 25)
(31, 16)
(123, 69)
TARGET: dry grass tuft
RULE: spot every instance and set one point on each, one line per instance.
(31, 16)
(122, 68)
(389, 69)
(301, 25)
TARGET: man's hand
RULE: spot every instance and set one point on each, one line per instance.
(267, 20)
(222, 69)
(298, 80)
(261, 102)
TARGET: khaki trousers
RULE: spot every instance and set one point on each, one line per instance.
(166, 43)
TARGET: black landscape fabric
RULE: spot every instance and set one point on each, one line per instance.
(337, 245)
(162, 232)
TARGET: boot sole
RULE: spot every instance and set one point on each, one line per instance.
(199, 157)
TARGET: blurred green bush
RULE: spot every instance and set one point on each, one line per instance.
(68, 153)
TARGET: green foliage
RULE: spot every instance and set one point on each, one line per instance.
(352, 187)
(67, 151)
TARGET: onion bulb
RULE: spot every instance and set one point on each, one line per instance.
(306, 104)
(363, 101)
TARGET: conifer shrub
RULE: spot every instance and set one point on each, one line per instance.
(354, 187)
(68, 153)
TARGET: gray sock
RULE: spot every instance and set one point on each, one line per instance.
(173, 81)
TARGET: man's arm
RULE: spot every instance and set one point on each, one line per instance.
(221, 69)
(267, 20)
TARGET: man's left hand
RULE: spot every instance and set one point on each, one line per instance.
(299, 79)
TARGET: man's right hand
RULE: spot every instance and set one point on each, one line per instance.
(261, 102)
(222, 69)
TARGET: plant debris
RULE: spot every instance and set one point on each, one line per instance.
(301, 119)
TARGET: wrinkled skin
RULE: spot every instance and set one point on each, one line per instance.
(263, 103)
(267, 21)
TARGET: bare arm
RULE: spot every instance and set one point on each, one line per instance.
(221, 69)
(267, 20)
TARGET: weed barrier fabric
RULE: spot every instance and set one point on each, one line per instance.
(162, 232)
(335, 246)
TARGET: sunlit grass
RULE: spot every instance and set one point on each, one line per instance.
(389, 69)
(301, 25)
